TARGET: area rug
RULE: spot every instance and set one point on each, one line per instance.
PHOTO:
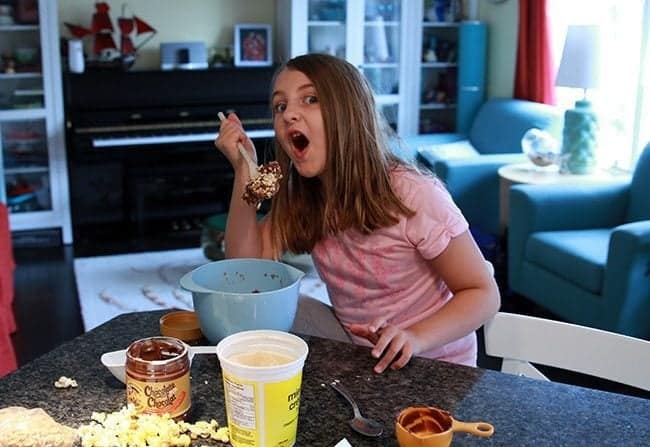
(111, 285)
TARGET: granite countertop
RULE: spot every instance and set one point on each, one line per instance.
(523, 411)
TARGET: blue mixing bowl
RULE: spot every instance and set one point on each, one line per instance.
(234, 295)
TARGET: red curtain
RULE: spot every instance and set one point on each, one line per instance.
(7, 322)
(534, 75)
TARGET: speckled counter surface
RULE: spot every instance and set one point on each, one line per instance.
(524, 412)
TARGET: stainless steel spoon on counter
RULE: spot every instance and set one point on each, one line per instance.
(359, 423)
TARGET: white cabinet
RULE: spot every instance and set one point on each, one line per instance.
(32, 150)
(451, 74)
(447, 75)
(427, 68)
(370, 34)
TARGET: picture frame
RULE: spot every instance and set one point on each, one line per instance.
(253, 45)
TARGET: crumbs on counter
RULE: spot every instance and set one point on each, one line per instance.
(65, 382)
(128, 427)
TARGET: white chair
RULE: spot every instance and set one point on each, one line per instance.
(521, 340)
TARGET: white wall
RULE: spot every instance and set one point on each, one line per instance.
(210, 21)
(503, 21)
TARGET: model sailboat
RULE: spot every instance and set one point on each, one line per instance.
(106, 52)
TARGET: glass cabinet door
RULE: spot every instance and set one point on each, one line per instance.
(332, 26)
(26, 165)
(21, 78)
(327, 27)
(367, 33)
(24, 155)
(381, 53)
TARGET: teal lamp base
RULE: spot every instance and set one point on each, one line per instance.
(579, 139)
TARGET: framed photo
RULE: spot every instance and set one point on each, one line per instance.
(253, 46)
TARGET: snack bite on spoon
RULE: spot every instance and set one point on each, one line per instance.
(264, 185)
(264, 180)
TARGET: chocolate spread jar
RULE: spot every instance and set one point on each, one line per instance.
(158, 376)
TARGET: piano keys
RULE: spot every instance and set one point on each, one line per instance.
(145, 140)
(171, 133)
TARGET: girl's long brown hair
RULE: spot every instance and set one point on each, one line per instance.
(354, 191)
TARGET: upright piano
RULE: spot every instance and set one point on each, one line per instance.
(143, 170)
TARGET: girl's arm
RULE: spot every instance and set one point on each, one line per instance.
(476, 299)
(245, 236)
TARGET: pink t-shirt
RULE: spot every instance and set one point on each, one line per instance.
(388, 273)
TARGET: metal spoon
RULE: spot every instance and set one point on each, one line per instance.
(360, 424)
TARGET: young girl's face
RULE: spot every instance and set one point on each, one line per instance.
(298, 122)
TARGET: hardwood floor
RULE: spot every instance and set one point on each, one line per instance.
(45, 301)
(47, 312)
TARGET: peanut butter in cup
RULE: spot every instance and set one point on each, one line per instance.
(158, 376)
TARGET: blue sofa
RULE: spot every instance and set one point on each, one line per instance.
(584, 252)
(468, 164)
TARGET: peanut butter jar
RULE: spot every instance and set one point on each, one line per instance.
(158, 376)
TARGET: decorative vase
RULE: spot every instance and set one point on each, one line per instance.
(76, 56)
(579, 139)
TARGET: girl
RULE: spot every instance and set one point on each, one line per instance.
(402, 271)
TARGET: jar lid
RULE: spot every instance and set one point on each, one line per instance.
(182, 324)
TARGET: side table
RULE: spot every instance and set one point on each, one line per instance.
(528, 173)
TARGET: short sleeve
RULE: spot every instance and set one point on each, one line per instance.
(437, 218)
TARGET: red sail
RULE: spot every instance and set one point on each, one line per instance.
(142, 27)
(101, 19)
(126, 46)
(77, 31)
(103, 42)
(125, 24)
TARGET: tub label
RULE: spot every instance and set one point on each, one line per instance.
(171, 396)
(252, 405)
(241, 403)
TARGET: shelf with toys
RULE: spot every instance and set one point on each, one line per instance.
(452, 74)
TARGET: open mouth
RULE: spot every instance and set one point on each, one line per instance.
(299, 141)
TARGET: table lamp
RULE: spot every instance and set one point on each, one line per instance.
(580, 68)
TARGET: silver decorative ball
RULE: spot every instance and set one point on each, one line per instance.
(540, 147)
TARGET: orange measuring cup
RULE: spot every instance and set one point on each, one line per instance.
(433, 427)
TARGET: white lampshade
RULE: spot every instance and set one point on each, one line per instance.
(580, 64)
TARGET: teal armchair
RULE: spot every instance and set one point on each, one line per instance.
(583, 252)
(468, 164)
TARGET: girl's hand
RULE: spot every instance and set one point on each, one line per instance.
(231, 132)
(392, 345)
